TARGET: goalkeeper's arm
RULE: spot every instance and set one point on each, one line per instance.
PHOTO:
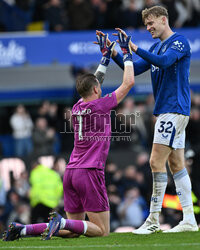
(128, 77)
(106, 52)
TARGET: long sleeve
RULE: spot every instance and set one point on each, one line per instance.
(118, 59)
(162, 61)
(140, 66)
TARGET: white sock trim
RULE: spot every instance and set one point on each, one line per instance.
(62, 223)
(85, 226)
(23, 231)
(128, 63)
(101, 68)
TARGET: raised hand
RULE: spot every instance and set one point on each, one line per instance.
(131, 44)
(106, 47)
(124, 43)
(121, 31)
(100, 33)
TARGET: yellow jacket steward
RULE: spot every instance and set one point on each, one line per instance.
(46, 187)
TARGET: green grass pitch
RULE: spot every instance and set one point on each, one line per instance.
(173, 241)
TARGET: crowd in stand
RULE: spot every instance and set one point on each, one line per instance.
(62, 15)
(47, 131)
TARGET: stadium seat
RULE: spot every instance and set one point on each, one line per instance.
(37, 26)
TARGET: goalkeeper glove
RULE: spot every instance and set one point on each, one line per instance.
(105, 49)
(124, 43)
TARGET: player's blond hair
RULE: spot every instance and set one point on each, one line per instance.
(155, 11)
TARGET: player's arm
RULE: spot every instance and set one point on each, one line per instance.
(128, 77)
(118, 59)
(106, 51)
(162, 61)
(140, 66)
(175, 52)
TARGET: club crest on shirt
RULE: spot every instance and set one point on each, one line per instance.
(178, 45)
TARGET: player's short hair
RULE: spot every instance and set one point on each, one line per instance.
(156, 11)
(84, 84)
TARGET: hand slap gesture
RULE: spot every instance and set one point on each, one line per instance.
(124, 42)
(106, 47)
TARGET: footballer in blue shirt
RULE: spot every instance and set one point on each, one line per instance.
(169, 62)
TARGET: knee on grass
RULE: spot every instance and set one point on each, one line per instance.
(102, 233)
(96, 231)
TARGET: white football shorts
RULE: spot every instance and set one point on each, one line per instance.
(170, 130)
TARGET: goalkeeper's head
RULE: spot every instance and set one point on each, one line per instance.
(88, 87)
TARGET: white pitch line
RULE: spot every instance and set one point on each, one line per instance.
(103, 246)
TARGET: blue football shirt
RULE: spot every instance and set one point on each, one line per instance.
(169, 62)
(170, 74)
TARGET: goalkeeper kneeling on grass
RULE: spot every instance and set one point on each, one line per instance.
(84, 181)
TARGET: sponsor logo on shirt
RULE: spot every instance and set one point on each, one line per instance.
(154, 68)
